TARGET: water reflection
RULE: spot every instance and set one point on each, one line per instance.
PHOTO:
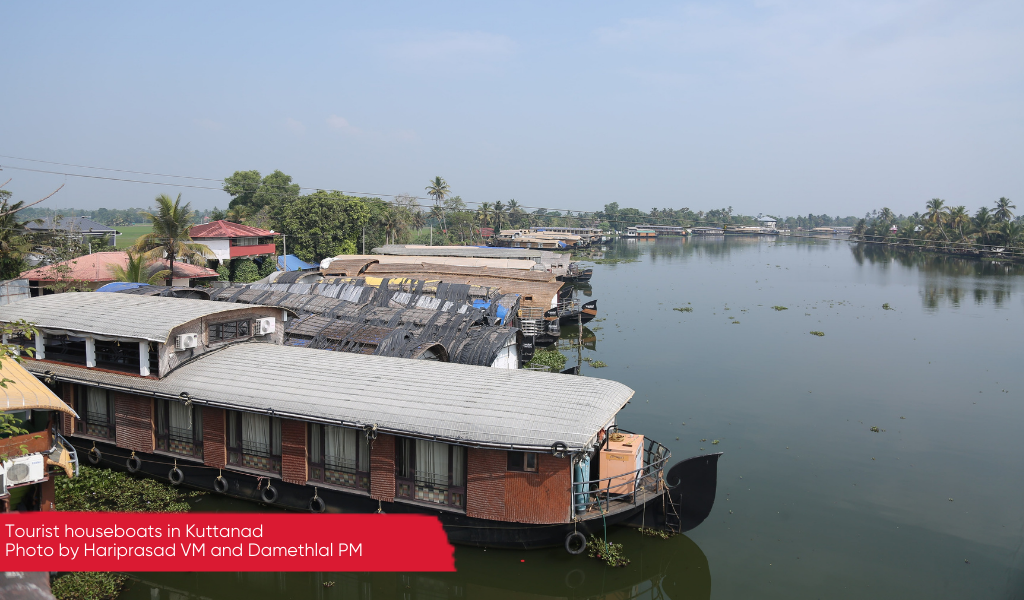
(660, 569)
(928, 262)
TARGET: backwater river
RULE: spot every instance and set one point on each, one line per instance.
(812, 503)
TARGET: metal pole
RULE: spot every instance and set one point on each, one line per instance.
(364, 240)
(431, 234)
(284, 240)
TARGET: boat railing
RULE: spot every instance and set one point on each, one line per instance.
(623, 490)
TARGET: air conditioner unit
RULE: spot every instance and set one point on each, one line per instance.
(25, 469)
(264, 326)
(185, 341)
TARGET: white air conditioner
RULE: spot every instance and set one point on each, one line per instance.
(25, 469)
(264, 326)
(186, 341)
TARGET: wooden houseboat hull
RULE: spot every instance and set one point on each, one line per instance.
(693, 495)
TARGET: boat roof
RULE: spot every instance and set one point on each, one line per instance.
(462, 404)
(25, 392)
(473, 251)
(116, 315)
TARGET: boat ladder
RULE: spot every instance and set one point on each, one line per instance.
(672, 521)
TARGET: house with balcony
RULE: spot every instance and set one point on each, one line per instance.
(229, 241)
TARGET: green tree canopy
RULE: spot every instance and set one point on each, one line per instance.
(325, 224)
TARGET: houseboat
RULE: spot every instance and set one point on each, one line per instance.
(640, 233)
(707, 231)
(204, 394)
(577, 273)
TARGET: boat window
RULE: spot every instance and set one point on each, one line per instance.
(522, 461)
(222, 332)
(95, 407)
(254, 441)
(430, 471)
(179, 428)
(339, 456)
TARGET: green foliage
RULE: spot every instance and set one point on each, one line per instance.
(140, 270)
(170, 236)
(818, 333)
(887, 307)
(597, 364)
(609, 552)
(246, 271)
(550, 358)
(268, 266)
(89, 586)
(223, 273)
(10, 426)
(325, 224)
(614, 261)
(105, 490)
(650, 531)
(684, 308)
(777, 307)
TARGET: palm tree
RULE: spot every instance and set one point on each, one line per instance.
(139, 270)
(515, 213)
(483, 214)
(170, 235)
(438, 190)
(984, 224)
(886, 216)
(499, 210)
(958, 218)
(1003, 212)
(1011, 233)
(936, 214)
(14, 241)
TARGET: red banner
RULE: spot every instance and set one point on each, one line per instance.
(102, 541)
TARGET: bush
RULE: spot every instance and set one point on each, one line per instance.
(548, 357)
(223, 272)
(96, 489)
(268, 266)
(89, 586)
(246, 271)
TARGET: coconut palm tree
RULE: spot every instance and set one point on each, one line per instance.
(484, 213)
(936, 214)
(499, 212)
(984, 225)
(515, 213)
(958, 219)
(139, 270)
(14, 239)
(170, 235)
(1011, 233)
(438, 189)
(1003, 212)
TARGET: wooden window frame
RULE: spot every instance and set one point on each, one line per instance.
(217, 331)
(406, 484)
(171, 442)
(519, 462)
(85, 425)
(318, 469)
(237, 454)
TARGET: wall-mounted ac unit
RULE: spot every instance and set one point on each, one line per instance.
(264, 326)
(185, 341)
(25, 469)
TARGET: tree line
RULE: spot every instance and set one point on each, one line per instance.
(946, 226)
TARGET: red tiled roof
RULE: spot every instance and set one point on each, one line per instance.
(226, 229)
(96, 267)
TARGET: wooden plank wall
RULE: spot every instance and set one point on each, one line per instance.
(485, 483)
(541, 497)
(215, 451)
(133, 418)
(382, 468)
(293, 451)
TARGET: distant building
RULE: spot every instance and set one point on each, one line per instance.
(95, 270)
(230, 240)
(767, 222)
(77, 226)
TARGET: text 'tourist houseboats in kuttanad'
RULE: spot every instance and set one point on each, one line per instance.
(203, 394)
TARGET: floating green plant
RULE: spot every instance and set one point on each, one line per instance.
(609, 552)
(598, 364)
(735, 322)
(614, 261)
(714, 442)
(875, 429)
(887, 307)
(818, 333)
(777, 307)
(655, 532)
(684, 309)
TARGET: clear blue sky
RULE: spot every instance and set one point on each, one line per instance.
(772, 106)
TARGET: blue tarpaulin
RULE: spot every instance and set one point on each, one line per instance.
(117, 286)
(290, 262)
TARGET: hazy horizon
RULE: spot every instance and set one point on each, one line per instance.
(770, 107)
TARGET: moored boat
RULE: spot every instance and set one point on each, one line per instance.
(203, 394)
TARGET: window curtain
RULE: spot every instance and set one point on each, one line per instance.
(256, 432)
(340, 446)
(96, 403)
(233, 429)
(364, 452)
(458, 466)
(197, 423)
(180, 416)
(432, 462)
(276, 450)
(161, 417)
(314, 444)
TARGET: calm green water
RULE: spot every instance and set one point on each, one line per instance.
(811, 502)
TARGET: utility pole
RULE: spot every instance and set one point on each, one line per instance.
(431, 234)
(284, 240)
(364, 240)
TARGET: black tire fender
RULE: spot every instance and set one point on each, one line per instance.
(176, 476)
(134, 463)
(220, 484)
(94, 455)
(559, 448)
(269, 494)
(574, 539)
(317, 504)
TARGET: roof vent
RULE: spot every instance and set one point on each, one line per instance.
(185, 341)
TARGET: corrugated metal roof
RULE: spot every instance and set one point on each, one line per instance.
(117, 315)
(227, 229)
(473, 251)
(449, 402)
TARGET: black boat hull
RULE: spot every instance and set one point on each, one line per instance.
(461, 529)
